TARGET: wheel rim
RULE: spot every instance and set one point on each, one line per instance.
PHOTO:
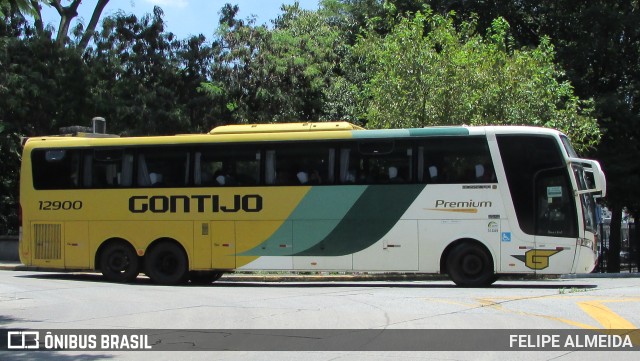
(167, 263)
(118, 262)
(472, 265)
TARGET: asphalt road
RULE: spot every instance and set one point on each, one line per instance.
(79, 301)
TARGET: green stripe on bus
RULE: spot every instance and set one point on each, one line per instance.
(438, 131)
(315, 217)
(405, 133)
(380, 133)
(371, 217)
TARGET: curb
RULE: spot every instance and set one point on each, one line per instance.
(601, 275)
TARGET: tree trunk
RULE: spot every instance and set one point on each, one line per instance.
(68, 13)
(91, 28)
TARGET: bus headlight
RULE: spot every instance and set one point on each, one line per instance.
(585, 243)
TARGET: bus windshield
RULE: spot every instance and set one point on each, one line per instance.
(568, 147)
(586, 199)
(585, 175)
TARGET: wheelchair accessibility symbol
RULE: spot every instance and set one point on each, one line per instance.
(506, 237)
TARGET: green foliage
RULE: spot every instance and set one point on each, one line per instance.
(9, 175)
(134, 65)
(275, 75)
(597, 44)
(373, 62)
(427, 71)
(25, 7)
(145, 80)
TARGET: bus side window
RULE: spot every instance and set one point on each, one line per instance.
(126, 177)
(108, 168)
(455, 160)
(163, 167)
(56, 168)
(144, 179)
(227, 166)
(376, 162)
(294, 164)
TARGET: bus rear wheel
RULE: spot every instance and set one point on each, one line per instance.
(167, 264)
(470, 265)
(119, 263)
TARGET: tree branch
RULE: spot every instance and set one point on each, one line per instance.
(67, 13)
(95, 17)
(39, 25)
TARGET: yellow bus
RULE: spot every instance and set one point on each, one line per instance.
(471, 202)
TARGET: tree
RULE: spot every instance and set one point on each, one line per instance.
(67, 14)
(274, 75)
(42, 88)
(428, 72)
(597, 44)
(135, 76)
(9, 175)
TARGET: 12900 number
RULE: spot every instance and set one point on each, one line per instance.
(60, 205)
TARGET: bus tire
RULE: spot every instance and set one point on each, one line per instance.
(119, 263)
(166, 264)
(204, 277)
(470, 265)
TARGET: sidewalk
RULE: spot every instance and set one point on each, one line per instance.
(264, 276)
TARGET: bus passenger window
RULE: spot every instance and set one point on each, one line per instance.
(227, 166)
(433, 174)
(163, 167)
(376, 162)
(55, 168)
(293, 164)
(393, 175)
(107, 168)
(484, 173)
(451, 160)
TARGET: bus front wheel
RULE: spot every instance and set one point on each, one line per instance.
(167, 264)
(470, 265)
(119, 263)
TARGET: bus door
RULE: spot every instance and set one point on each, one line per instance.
(223, 244)
(556, 228)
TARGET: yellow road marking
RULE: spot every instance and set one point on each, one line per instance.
(609, 319)
(498, 306)
(605, 316)
(594, 308)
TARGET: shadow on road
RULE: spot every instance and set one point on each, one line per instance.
(233, 281)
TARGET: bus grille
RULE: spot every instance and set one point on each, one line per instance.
(48, 241)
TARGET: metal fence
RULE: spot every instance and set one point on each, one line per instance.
(628, 249)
